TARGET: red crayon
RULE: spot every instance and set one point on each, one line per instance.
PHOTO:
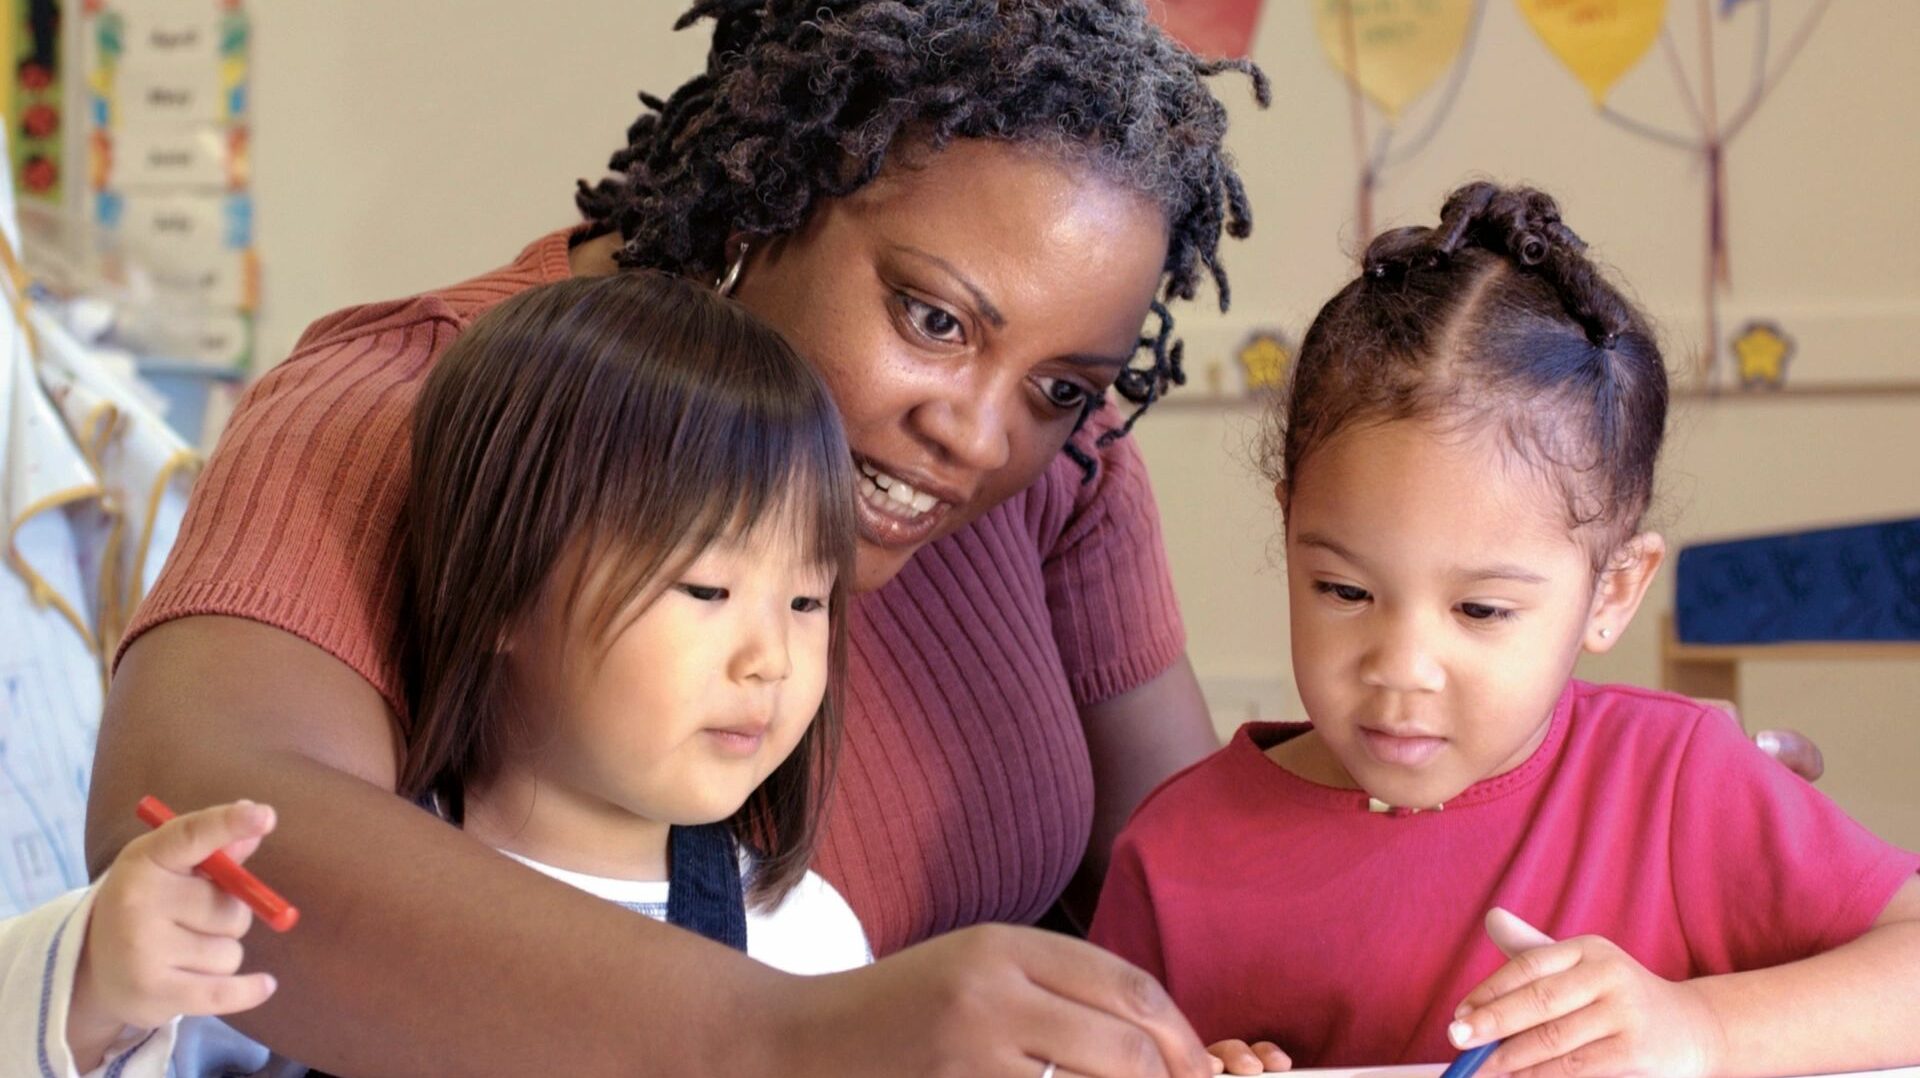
(228, 876)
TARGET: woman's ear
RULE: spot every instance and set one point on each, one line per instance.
(1623, 584)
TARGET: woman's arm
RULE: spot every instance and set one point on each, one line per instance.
(1136, 739)
(421, 952)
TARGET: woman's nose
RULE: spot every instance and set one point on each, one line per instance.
(969, 422)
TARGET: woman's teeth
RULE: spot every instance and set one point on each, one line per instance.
(892, 494)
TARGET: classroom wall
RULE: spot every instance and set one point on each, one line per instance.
(401, 146)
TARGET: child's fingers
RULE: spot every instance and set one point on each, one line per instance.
(1236, 1056)
(218, 956)
(1271, 1057)
(242, 849)
(1531, 1003)
(1565, 1040)
(1512, 935)
(216, 995)
(213, 912)
(1609, 1055)
(1528, 967)
(185, 841)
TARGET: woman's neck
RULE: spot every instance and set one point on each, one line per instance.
(594, 258)
(566, 828)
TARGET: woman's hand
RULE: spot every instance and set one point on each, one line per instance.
(162, 941)
(1791, 747)
(993, 1001)
(1583, 1007)
(1794, 749)
(1239, 1057)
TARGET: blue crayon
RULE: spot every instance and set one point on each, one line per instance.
(1470, 1061)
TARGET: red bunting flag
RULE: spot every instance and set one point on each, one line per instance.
(1219, 29)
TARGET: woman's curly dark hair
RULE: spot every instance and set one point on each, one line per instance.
(802, 100)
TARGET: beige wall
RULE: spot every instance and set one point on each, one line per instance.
(403, 145)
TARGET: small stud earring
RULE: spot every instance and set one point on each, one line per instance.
(1605, 632)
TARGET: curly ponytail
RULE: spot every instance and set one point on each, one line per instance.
(1495, 314)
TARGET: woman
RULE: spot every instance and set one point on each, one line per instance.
(962, 212)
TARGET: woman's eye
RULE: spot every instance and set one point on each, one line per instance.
(1346, 593)
(807, 604)
(1064, 395)
(703, 592)
(930, 321)
(1483, 612)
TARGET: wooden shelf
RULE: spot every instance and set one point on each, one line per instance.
(1712, 671)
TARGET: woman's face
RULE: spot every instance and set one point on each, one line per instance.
(962, 308)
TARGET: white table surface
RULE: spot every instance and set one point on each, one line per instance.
(1435, 1069)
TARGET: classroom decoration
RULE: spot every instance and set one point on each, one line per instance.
(95, 488)
(1221, 29)
(1390, 53)
(1761, 351)
(30, 96)
(1264, 360)
(1601, 40)
(1598, 40)
(171, 172)
(1394, 51)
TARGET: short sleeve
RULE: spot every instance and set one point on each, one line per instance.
(1124, 921)
(1109, 590)
(1766, 868)
(295, 521)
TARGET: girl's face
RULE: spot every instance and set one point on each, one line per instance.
(1438, 603)
(693, 705)
(962, 308)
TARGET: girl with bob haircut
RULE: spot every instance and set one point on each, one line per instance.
(629, 536)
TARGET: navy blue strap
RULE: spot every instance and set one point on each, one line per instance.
(705, 894)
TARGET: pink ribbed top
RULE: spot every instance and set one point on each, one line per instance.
(965, 792)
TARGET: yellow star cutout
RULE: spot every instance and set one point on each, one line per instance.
(1762, 351)
(1265, 357)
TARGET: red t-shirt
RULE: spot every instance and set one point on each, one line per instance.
(1273, 908)
(965, 789)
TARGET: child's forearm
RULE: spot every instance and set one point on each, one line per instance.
(1856, 1007)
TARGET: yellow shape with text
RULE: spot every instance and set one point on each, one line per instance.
(1598, 40)
(1393, 50)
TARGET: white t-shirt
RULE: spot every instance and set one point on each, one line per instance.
(812, 930)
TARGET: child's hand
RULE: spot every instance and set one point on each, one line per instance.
(162, 941)
(1237, 1057)
(1580, 1007)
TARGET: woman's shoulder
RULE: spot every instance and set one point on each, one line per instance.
(454, 306)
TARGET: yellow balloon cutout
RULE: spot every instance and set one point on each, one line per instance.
(1598, 40)
(1392, 49)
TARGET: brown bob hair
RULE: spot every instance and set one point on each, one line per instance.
(609, 429)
